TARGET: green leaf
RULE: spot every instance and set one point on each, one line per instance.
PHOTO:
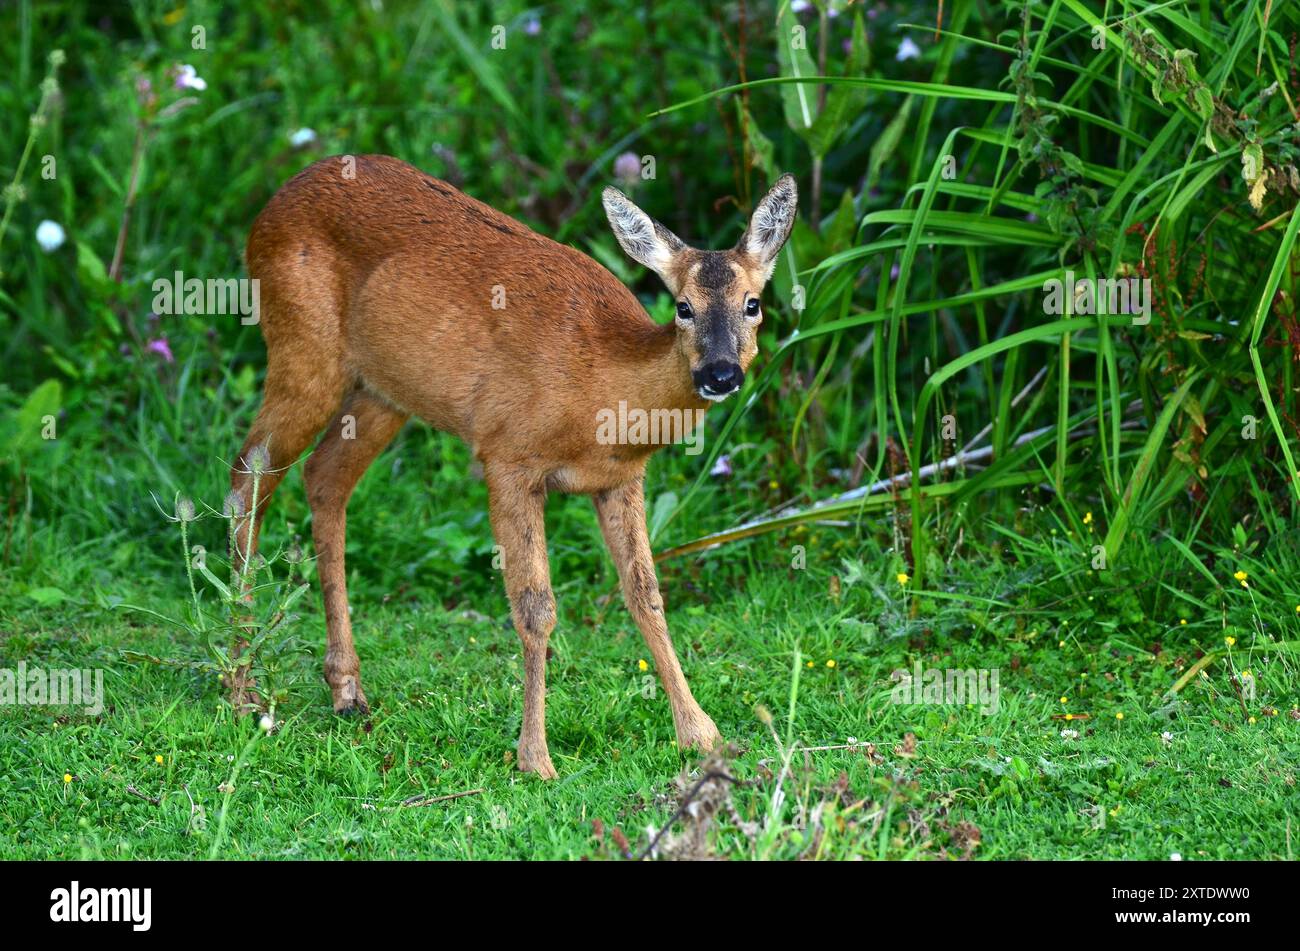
(90, 269)
(1204, 100)
(1142, 471)
(662, 511)
(24, 428)
(882, 150)
(799, 100)
(44, 596)
(759, 144)
(216, 582)
(840, 230)
(843, 103)
(485, 71)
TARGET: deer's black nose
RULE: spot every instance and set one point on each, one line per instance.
(718, 379)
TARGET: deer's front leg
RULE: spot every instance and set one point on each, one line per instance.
(622, 520)
(517, 505)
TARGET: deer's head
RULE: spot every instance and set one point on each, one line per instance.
(718, 292)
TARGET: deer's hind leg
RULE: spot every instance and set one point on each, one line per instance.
(305, 383)
(359, 433)
(293, 413)
(304, 386)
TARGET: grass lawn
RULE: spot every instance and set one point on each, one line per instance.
(446, 687)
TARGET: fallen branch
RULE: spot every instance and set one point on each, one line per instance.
(1192, 671)
(681, 809)
(135, 792)
(422, 801)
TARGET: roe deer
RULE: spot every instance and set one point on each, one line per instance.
(386, 293)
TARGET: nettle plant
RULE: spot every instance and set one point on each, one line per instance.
(244, 624)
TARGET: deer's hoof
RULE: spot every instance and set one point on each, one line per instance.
(539, 763)
(699, 733)
(349, 700)
(356, 708)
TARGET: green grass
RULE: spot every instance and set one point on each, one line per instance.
(446, 692)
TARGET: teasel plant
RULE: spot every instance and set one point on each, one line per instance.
(243, 624)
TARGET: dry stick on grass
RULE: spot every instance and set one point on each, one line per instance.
(969, 454)
(143, 131)
(903, 478)
(1015, 401)
(137, 156)
(681, 810)
(965, 458)
(1192, 671)
(973, 442)
(422, 801)
(135, 792)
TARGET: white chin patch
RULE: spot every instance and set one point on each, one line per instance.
(713, 397)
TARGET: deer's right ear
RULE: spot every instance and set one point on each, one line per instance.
(645, 240)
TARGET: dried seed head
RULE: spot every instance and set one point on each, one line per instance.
(259, 460)
(763, 714)
(233, 507)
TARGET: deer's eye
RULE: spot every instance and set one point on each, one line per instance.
(684, 310)
(751, 307)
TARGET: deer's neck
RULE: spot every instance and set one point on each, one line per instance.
(663, 375)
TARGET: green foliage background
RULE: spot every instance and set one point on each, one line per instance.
(1133, 482)
(940, 190)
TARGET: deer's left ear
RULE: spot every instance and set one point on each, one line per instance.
(770, 225)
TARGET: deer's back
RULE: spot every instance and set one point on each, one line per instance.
(445, 306)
